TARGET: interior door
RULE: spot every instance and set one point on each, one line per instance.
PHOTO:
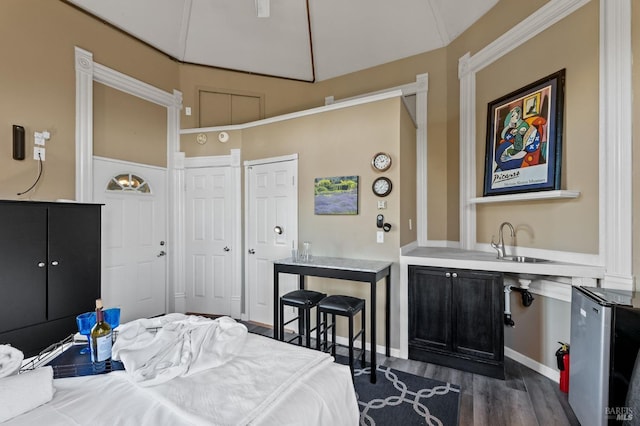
(208, 240)
(134, 239)
(272, 229)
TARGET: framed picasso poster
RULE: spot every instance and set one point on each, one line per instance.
(524, 138)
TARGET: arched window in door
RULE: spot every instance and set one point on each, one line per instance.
(128, 182)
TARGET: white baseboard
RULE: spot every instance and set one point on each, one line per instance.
(533, 364)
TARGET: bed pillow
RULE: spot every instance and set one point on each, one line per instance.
(24, 392)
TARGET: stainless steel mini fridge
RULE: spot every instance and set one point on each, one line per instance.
(605, 337)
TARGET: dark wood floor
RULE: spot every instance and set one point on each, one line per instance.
(524, 398)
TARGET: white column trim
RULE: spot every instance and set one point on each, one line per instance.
(616, 157)
(421, 92)
(84, 125)
(467, 152)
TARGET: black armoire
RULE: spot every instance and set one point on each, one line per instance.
(49, 270)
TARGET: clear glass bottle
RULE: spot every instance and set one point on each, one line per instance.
(100, 340)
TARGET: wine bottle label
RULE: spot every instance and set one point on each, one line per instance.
(102, 350)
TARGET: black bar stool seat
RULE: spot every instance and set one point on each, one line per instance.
(304, 300)
(345, 306)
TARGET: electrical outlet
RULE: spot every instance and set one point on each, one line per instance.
(380, 237)
(38, 153)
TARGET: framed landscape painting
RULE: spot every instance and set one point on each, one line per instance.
(524, 138)
(336, 195)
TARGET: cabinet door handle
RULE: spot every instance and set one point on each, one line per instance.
(54, 263)
(454, 275)
(448, 275)
(41, 264)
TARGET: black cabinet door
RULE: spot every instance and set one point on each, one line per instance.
(74, 259)
(478, 304)
(23, 271)
(430, 308)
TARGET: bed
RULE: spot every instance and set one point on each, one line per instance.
(214, 375)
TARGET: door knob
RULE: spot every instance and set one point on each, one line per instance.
(252, 251)
(226, 249)
(162, 253)
(278, 230)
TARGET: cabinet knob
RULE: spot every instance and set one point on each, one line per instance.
(41, 264)
(454, 275)
(448, 275)
(54, 263)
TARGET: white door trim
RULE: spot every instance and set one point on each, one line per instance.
(87, 71)
(233, 161)
(268, 161)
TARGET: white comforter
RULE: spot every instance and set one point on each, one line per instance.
(156, 350)
(265, 383)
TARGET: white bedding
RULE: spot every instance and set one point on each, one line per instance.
(265, 383)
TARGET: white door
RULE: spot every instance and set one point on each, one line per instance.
(208, 240)
(272, 201)
(133, 237)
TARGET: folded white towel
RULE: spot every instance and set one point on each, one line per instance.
(24, 392)
(10, 360)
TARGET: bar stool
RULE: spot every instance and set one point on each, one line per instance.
(304, 300)
(345, 306)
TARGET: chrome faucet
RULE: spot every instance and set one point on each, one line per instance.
(499, 246)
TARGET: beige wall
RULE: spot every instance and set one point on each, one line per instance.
(37, 82)
(566, 225)
(116, 135)
(341, 143)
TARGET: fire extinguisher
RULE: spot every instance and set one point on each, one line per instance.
(562, 356)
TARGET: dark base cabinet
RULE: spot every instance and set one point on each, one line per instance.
(455, 319)
(49, 270)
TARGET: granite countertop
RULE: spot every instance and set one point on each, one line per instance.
(479, 260)
(361, 265)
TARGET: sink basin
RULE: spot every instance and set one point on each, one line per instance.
(523, 259)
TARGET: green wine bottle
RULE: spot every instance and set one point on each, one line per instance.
(100, 341)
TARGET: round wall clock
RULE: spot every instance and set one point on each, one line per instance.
(381, 161)
(382, 186)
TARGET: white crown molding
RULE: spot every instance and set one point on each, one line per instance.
(539, 21)
(304, 113)
(281, 158)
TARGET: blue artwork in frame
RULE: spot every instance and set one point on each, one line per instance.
(524, 138)
(336, 195)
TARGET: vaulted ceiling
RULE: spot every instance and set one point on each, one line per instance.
(309, 40)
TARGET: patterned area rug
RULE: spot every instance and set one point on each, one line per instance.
(400, 398)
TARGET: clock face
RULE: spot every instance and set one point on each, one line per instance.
(382, 186)
(381, 161)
